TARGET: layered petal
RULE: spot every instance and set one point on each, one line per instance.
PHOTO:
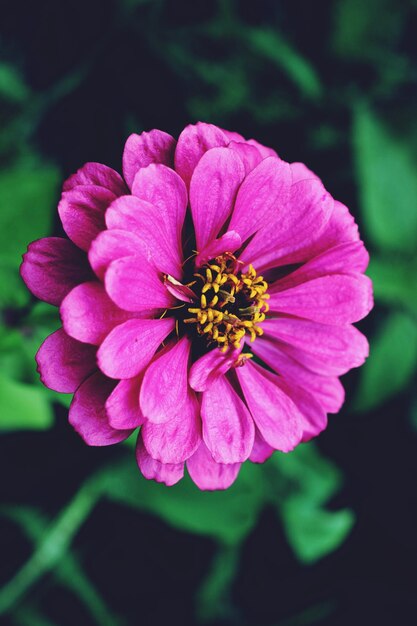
(135, 285)
(176, 440)
(122, 405)
(228, 428)
(52, 267)
(109, 246)
(164, 388)
(209, 475)
(276, 416)
(167, 473)
(292, 220)
(313, 415)
(249, 155)
(128, 349)
(63, 363)
(229, 242)
(154, 146)
(88, 314)
(99, 175)
(335, 300)
(81, 210)
(213, 189)
(193, 142)
(261, 450)
(262, 196)
(87, 413)
(143, 219)
(211, 366)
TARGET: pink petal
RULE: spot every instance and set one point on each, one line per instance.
(327, 350)
(144, 149)
(335, 299)
(162, 187)
(52, 267)
(313, 415)
(229, 242)
(167, 473)
(110, 245)
(261, 450)
(97, 174)
(211, 366)
(87, 413)
(178, 290)
(82, 213)
(63, 363)
(128, 349)
(249, 155)
(327, 390)
(213, 189)
(164, 389)
(301, 172)
(89, 315)
(193, 142)
(264, 150)
(228, 428)
(262, 196)
(290, 224)
(142, 218)
(122, 405)
(134, 285)
(275, 414)
(176, 440)
(345, 258)
(209, 475)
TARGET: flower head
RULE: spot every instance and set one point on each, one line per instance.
(207, 297)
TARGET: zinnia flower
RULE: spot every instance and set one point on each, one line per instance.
(207, 298)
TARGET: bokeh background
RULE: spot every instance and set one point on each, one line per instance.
(324, 536)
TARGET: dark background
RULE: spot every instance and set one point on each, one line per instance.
(93, 72)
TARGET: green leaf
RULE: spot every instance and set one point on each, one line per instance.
(12, 86)
(23, 407)
(391, 364)
(394, 280)
(273, 46)
(227, 516)
(387, 177)
(314, 532)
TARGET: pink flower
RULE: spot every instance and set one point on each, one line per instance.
(207, 298)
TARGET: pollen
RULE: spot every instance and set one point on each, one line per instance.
(232, 303)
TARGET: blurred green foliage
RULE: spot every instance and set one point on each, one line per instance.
(263, 74)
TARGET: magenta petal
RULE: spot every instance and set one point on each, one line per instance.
(335, 299)
(229, 242)
(261, 450)
(249, 155)
(209, 475)
(264, 151)
(275, 414)
(88, 314)
(313, 415)
(143, 219)
(345, 258)
(52, 267)
(212, 365)
(193, 142)
(82, 213)
(162, 187)
(122, 405)
(328, 390)
(178, 290)
(213, 189)
(128, 349)
(228, 428)
(167, 473)
(176, 440)
(99, 175)
(144, 149)
(88, 416)
(301, 172)
(164, 388)
(134, 285)
(63, 363)
(327, 350)
(109, 246)
(262, 196)
(291, 223)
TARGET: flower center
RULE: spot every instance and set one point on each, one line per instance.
(232, 303)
